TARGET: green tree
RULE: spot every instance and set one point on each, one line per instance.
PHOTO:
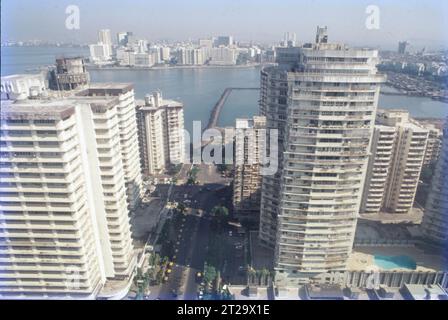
(223, 168)
(209, 274)
(220, 212)
(192, 175)
(221, 215)
(181, 208)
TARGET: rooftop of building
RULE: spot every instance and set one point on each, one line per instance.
(386, 118)
(324, 291)
(392, 111)
(164, 104)
(246, 123)
(339, 49)
(52, 107)
(415, 126)
(36, 109)
(73, 57)
(105, 88)
(425, 292)
(155, 101)
(110, 85)
(250, 293)
(21, 76)
(339, 292)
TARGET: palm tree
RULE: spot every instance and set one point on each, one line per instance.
(264, 275)
(251, 273)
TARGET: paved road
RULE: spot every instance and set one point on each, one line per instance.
(194, 232)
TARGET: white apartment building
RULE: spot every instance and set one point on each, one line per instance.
(165, 54)
(100, 53)
(435, 220)
(223, 56)
(144, 59)
(104, 37)
(22, 86)
(407, 160)
(156, 54)
(249, 144)
(207, 43)
(128, 142)
(379, 169)
(323, 100)
(433, 145)
(141, 46)
(125, 57)
(190, 56)
(128, 57)
(64, 220)
(161, 133)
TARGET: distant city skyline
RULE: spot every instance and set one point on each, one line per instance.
(422, 24)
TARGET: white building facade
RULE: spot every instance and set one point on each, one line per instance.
(161, 133)
(407, 160)
(23, 86)
(127, 122)
(378, 170)
(323, 101)
(64, 216)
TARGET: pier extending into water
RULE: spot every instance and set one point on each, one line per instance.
(216, 111)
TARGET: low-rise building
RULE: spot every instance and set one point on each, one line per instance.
(423, 292)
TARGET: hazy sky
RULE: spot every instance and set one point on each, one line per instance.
(423, 23)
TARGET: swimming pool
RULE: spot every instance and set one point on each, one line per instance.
(395, 262)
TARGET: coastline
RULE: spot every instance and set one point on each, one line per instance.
(244, 66)
(400, 92)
